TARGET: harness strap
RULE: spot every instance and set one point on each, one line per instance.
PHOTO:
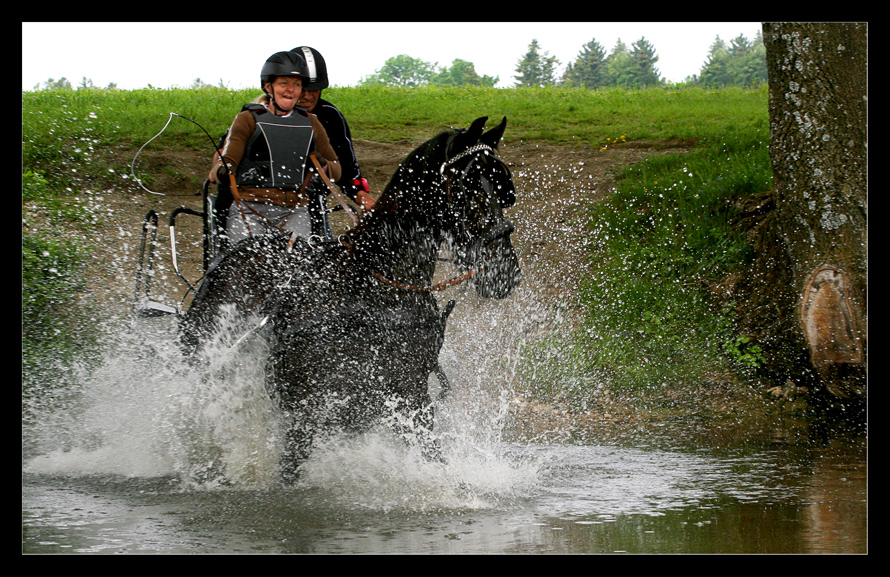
(333, 189)
(237, 196)
(435, 288)
(467, 152)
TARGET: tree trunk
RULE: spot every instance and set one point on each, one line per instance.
(818, 147)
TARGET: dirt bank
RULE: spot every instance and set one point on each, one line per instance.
(555, 186)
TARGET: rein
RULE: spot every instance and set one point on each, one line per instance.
(410, 287)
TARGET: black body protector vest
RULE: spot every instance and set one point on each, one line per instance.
(277, 154)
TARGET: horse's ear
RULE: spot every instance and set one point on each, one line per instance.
(493, 136)
(476, 128)
(470, 136)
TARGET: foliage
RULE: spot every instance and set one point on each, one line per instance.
(53, 84)
(405, 71)
(659, 241)
(623, 67)
(54, 304)
(744, 351)
(536, 69)
(462, 73)
(630, 68)
(587, 71)
(643, 57)
(53, 314)
(402, 70)
(742, 63)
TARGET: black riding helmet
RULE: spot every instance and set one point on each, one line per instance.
(283, 64)
(318, 70)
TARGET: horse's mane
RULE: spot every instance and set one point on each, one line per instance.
(413, 187)
(408, 177)
(429, 154)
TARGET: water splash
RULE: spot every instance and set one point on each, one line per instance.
(147, 412)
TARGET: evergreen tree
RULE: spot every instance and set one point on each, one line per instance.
(714, 71)
(751, 66)
(587, 69)
(644, 59)
(536, 69)
(739, 47)
(742, 63)
(618, 68)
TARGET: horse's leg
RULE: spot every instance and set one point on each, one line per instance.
(416, 421)
(298, 439)
(430, 447)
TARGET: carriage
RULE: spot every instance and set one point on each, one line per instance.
(353, 327)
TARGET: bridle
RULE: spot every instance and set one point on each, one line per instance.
(499, 231)
(468, 152)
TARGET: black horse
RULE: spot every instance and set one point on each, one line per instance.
(354, 326)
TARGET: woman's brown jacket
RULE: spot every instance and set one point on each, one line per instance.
(239, 134)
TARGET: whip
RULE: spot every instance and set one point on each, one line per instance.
(170, 119)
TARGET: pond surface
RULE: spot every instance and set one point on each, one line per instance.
(508, 499)
(148, 455)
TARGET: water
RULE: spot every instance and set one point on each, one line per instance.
(518, 499)
(153, 455)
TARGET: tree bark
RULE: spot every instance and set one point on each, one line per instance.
(818, 107)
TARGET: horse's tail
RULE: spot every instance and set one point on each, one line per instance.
(446, 312)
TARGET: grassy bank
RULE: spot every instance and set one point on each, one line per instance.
(661, 243)
(658, 243)
(659, 247)
(63, 129)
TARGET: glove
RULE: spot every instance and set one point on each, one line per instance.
(322, 161)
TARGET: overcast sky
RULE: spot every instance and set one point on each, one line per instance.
(136, 54)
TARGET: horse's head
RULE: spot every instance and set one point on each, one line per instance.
(478, 187)
(450, 188)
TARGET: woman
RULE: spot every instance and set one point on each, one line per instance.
(266, 158)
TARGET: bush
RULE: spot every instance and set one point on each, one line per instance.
(660, 241)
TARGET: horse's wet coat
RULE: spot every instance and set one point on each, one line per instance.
(355, 329)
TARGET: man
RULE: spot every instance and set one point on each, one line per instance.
(351, 181)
